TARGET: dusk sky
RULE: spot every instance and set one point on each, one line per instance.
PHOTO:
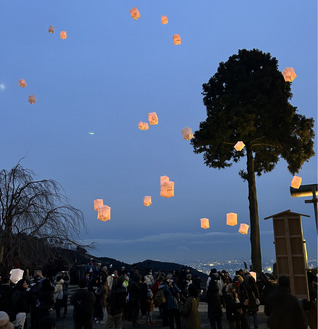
(106, 77)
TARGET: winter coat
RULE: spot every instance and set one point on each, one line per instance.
(116, 300)
(284, 310)
(252, 293)
(233, 309)
(190, 314)
(214, 302)
(83, 301)
(172, 296)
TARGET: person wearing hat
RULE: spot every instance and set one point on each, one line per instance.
(4, 321)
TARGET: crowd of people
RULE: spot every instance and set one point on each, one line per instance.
(111, 297)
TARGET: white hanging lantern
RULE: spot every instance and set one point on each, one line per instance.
(296, 182)
(187, 133)
(167, 189)
(98, 203)
(16, 275)
(289, 74)
(153, 118)
(243, 228)
(205, 223)
(103, 213)
(147, 200)
(239, 146)
(231, 219)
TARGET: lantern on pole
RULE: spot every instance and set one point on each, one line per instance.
(103, 213)
(187, 133)
(134, 12)
(205, 223)
(22, 83)
(239, 146)
(32, 99)
(243, 228)
(231, 219)
(63, 35)
(167, 189)
(147, 200)
(164, 19)
(176, 39)
(98, 203)
(143, 125)
(153, 118)
(51, 29)
(289, 74)
(296, 182)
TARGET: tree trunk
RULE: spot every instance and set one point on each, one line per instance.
(254, 220)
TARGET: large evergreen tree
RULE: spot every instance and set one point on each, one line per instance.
(248, 100)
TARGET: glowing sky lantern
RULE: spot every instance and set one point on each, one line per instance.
(51, 29)
(103, 213)
(143, 125)
(231, 219)
(147, 200)
(176, 39)
(164, 19)
(63, 35)
(243, 228)
(153, 118)
(134, 12)
(187, 133)
(22, 83)
(205, 223)
(167, 189)
(98, 203)
(239, 146)
(32, 99)
(289, 74)
(296, 182)
(164, 179)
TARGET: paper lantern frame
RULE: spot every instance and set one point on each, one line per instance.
(296, 182)
(205, 224)
(243, 228)
(231, 219)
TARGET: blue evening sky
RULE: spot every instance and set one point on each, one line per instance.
(106, 77)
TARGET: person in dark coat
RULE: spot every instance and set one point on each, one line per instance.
(172, 293)
(234, 307)
(6, 292)
(20, 303)
(253, 300)
(284, 309)
(83, 301)
(44, 305)
(214, 303)
(134, 290)
(116, 302)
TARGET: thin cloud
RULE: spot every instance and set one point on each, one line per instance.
(163, 237)
(2, 86)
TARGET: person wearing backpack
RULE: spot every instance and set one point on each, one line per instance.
(83, 301)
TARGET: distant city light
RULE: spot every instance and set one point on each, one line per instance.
(269, 269)
(211, 264)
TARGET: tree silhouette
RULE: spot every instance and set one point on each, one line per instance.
(33, 213)
(248, 100)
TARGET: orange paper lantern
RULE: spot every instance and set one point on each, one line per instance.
(51, 29)
(103, 213)
(289, 74)
(164, 179)
(143, 125)
(176, 39)
(239, 146)
(63, 35)
(147, 200)
(231, 219)
(153, 118)
(22, 83)
(134, 12)
(296, 182)
(164, 19)
(187, 133)
(98, 203)
(243, 228)
(167, 189)
(32, 99)
(205, 223)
